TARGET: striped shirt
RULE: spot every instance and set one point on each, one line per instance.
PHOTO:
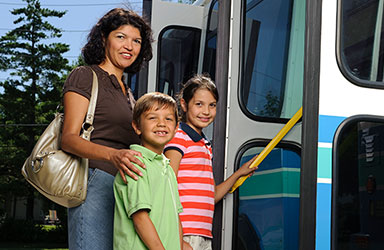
(195, 181)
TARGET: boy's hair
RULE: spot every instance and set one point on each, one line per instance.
(192, 85)
(154, 100)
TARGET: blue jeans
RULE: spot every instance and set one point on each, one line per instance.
(90, 225)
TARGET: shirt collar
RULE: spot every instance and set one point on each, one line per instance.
(104, 73)
(147, 153)
(192, 133)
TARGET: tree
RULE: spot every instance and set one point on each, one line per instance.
(272, 106)
(30, 94)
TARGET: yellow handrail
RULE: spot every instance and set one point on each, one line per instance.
(271, 145)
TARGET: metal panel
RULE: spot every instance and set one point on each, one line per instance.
(310, 124)
(165, 14)
(219, 126)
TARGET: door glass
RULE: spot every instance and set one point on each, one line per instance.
(209, 65)
(361, 42)
(178, 57)
(358, 183)
(132, 84)
(268, 204)
(273, 55)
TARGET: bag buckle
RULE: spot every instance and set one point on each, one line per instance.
(36, 167)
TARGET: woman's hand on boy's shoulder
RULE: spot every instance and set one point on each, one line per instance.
(124, 160)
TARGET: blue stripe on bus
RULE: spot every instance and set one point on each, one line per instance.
(324, 163)
(323, 216)
(327, 127)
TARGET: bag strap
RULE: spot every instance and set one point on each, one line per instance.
(88, 124)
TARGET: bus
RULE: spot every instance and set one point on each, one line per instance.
(322, 186)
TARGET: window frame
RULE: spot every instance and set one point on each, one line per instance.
(341, 61)
(242, 106)
(208, 35)
(288, 145)
(160, 42)
(335, 173)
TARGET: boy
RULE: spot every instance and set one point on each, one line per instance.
(146, 210)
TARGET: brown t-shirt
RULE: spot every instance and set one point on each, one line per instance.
(113, 115)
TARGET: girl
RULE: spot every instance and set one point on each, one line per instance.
(190, 155)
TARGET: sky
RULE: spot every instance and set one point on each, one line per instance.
(76, 23)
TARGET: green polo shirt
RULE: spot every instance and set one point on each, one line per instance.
(156, 191)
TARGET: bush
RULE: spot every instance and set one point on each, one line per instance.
(18, 230)
(28, 231)
(54, 234)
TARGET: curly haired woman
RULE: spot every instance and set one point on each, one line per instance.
(120, 42)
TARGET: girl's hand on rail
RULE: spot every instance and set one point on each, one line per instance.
(245, 170)
(123, 160)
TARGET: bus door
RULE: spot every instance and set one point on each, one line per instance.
(254, 51)
(265, 89)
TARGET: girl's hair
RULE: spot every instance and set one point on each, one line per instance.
(192, 85)
(94, 51)
(153, 100)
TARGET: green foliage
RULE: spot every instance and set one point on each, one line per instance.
(80, 62)
(12, 230)
(272, 106)
(31, 93)
(28, 231)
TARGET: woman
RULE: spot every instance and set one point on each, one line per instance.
(119, 42)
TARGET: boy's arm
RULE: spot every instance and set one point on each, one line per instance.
(223, 188)
(146, 230)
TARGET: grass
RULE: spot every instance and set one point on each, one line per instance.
(49, 227)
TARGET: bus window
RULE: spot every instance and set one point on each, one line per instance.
(178, 57)
(209, 64)
(358, 185)
(272, 58)
(361, 52)
(268, 202)
(132, 84)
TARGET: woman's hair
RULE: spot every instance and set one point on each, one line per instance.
(94, 51)
(192, 85)
(153, 100)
